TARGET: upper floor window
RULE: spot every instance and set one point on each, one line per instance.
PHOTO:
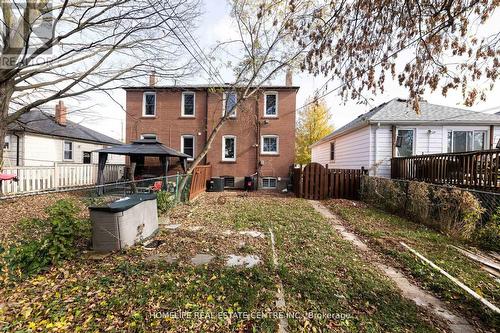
(151, 136)
(229, 102)
(149, 104)
(405, 142)
(332, 151)
(6, 144)
(269, 144)
(229, 148)
(187, 146)
(460, 141)
(68, 150)
(271, 104)
(188, 104)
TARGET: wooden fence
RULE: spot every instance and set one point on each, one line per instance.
(317, 182)
(201, 174)
(477, 169)
(45, 178)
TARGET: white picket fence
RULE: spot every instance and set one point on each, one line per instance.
(58, 176)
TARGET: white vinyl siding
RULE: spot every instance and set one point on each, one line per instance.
(351, 151)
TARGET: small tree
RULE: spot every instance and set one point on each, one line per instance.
(313, 124)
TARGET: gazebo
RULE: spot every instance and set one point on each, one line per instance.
(137, 151)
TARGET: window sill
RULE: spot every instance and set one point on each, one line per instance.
(270, 154)
(148, 117)
(270, 117)
(228, 162)
(187, 117)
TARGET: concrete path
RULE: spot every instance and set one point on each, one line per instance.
(409, 290)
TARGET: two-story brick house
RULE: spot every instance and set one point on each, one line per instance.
(258, 139)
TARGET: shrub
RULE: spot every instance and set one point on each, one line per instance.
(165, 201)
(488, 237)
(64, 231)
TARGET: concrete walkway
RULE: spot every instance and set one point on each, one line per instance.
(409, 290)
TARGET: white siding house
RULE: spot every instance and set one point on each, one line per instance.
(42, 139)
(369, 142)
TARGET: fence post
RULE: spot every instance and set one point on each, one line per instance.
(177, 187)
(56, 175)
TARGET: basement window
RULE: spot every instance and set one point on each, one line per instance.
(228, 181)
(269, 182)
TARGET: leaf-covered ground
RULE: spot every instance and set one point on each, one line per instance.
(384, 232)
(327, 285)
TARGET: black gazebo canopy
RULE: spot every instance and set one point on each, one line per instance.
(137, 151)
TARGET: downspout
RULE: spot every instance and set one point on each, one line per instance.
(257, 146)
(206, 124)
(17, 148)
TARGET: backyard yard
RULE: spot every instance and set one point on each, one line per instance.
(221, 263)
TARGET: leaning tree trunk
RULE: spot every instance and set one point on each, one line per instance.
(6, 91)
(202, 154)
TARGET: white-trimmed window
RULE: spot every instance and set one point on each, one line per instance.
(269, 145)
(187, 146)
(405, 142)
(229, 148)
(149, 104)
(68, 150)
(150, 136)
(460, 140)
(229, 101)
(269, 182)
(271, 104)
(188, 104)
(6, 144)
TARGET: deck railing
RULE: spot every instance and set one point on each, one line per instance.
(475, 169)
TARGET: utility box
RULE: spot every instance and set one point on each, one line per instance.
(124, 222)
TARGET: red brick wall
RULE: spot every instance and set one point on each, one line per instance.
(168, 125)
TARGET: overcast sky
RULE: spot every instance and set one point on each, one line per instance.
(215, 24)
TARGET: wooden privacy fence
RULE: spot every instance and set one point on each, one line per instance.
(44, 178)
(317, 182)
(201, 174)
(477, 169)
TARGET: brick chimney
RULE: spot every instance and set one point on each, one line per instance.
(61, 113)
(289, 78)
(152, 78)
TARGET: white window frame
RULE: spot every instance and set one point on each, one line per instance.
(143, 136)
(262, 152)
(265, 104)
(146, 93)
(184, 93)
(224, 158)
(224, 98)
(6, 145)
(194, 145)
(413, 153)
(458, 129)
(72, 150)
(269, 187)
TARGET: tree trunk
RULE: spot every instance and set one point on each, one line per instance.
(202, 154)
(6, 91)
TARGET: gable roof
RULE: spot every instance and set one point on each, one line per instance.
(208, 86)
(39, 122)
(400, 112)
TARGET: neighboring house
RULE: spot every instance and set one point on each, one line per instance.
(259, 137)
(38, 138)
(395, 129)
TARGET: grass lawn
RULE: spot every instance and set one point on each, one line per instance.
(129, 291)
(384, 231)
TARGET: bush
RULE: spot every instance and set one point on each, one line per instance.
(450, 210)
(165, 201)
(64, 231)
(489, 235)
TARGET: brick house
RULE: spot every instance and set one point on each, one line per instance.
(259, 138)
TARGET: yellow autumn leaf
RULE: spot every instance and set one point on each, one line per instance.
(210, 298)
(32, 326)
